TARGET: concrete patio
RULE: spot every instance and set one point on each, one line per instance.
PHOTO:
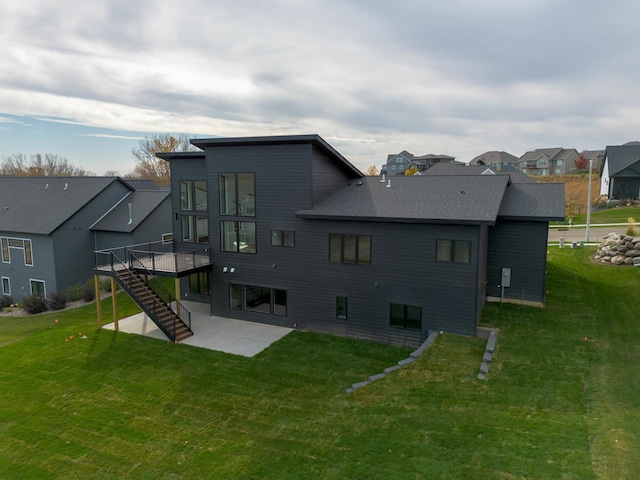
(228, 335)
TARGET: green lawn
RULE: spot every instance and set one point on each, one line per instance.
(553, 406)
(610, 215)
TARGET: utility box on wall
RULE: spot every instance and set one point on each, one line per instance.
(505, 279)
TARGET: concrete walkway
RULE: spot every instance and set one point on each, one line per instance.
(227, 335)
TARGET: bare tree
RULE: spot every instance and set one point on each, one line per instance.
(150, 167)
(371, 171)
(38, 165)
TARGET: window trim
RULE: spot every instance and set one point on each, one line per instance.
(241, 289)
(26, 247)
(236, 211)
(405, 320)
(237, 243)
(44, 286)
(452, 251)
(360, 258)
(6, 281)
(283, 237)
(344, 316)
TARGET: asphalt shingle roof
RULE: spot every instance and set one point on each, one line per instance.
(620, 157)
(533, 201)
(143, 203)
(516, 176)
(416, 199)
(39, 205)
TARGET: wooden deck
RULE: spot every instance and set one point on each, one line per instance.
(158, 263)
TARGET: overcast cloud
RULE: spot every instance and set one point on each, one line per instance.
(371, 77)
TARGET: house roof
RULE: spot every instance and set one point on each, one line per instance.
(414, 199)
(119, 219)
(533, 201)
(494, 156)
(516, 176)
(39, 205)
(313, 139)
(621, 157)
(550, 153)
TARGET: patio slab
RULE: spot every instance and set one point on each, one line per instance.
(228, 335)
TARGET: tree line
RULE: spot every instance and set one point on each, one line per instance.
(147, 165)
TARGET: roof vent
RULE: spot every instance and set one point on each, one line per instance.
(130, 215)
(46, 187)
(389, 183)
(383, 179)
(66, 186)
(359, 184)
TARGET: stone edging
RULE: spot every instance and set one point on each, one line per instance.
(412, 358)
(488, 354)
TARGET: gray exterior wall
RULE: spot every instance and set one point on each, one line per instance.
(73, 242)
(20, 274)
(520, 246)
(289, 178)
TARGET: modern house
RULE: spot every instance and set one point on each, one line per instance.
(398, 164)
(620, 173)
(549, 161)
(50, 227)
(498, 160)
(299, 237)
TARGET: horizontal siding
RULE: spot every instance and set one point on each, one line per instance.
(521, 246)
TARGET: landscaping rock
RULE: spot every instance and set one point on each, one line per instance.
(617, 249)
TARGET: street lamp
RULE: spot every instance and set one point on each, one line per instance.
(589, 202)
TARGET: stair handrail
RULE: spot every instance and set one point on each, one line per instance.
(182, 312)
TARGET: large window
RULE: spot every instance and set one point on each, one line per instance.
(199, 283)
(283, 238)
(239, 237)
(6, 286)
(37, 288)
(237, 194)
(22, 244)
(195, 229)
(258, 299)
(406, 316)
(347, 248)
(458, 251)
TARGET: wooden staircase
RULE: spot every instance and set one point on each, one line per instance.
(152, 304)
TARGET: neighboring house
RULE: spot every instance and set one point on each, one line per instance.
(596, 157)
(515, 176)
(398, 164)
(50, 227)
(620, 173)
(498, 160)
(549, 161)
(299, 237)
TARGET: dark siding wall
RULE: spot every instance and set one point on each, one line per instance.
(20, 274)
(74, 242)
(521, 246)
(407, 275)
(156, 224)
(483, 252)
(326, 177)
(104, 240)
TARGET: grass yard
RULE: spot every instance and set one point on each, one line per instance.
(610, 215)
(553, 406)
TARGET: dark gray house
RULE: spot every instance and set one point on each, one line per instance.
(620, 173)
(50, 227)
(299, 237)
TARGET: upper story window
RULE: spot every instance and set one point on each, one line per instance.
(239, 237)
(193, 195)
(23, 244)
(238, 194)
(347, 248)
(458, 251)
(283, 238)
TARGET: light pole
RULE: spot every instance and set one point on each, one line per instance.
(589, 202)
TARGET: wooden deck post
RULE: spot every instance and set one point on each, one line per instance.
(98, 302)
(114, 303)
(177, 283)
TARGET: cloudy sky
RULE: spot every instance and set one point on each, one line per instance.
(88, 79)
